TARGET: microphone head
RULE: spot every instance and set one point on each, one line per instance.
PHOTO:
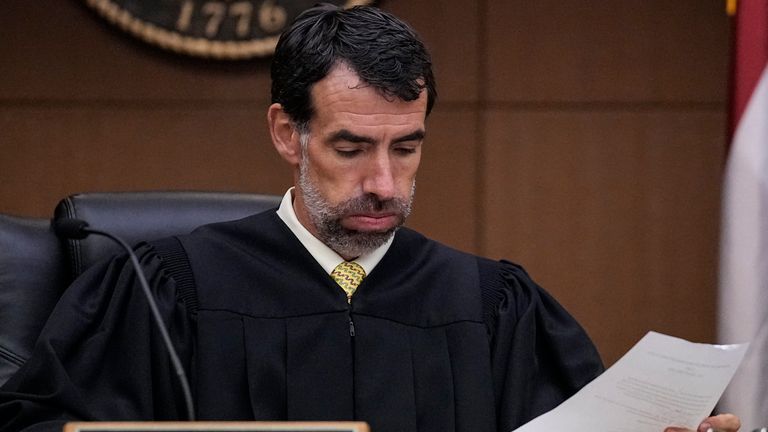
(71, 228)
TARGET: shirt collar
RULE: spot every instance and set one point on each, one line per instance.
(325, 256)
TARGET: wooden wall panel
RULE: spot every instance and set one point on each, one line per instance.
(614, 213)
(593, 50)
(62, 52)
(90, 149)
(445, 207)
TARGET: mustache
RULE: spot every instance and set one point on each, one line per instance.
(370, 203)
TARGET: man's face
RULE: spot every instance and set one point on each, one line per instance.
(359, 163)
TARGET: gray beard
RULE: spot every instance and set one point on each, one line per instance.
(327, 218)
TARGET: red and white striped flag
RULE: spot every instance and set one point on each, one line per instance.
(743, 294)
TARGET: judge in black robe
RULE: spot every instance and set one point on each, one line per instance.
(433, 340)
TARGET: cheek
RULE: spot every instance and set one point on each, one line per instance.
(337, 183)
(407, 170)
(326, 172)
(405, 178)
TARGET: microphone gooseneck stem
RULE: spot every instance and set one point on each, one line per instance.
(158, 319)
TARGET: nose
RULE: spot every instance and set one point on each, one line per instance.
(379, 178)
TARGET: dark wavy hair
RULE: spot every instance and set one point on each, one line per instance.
(384, 51)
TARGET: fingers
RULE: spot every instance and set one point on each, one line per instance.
(718, 423)
(722, 422)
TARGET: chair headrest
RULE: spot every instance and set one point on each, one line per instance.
(138, 216)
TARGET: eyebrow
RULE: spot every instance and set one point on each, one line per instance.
(413, 136)
(346, 135)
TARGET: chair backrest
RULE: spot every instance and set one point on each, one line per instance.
(36, 267)
(33, 271)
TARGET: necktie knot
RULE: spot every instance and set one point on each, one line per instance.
(348, 275)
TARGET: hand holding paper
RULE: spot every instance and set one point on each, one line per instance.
(662, 381)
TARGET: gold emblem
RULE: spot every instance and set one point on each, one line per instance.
(218, 29)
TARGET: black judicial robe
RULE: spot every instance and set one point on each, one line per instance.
(434, 340)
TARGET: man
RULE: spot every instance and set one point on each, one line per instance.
(432, 339)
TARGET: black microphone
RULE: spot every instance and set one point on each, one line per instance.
(79, 229)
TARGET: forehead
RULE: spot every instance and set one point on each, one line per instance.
(343, 95)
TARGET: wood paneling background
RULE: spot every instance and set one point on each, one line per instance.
(581, 138)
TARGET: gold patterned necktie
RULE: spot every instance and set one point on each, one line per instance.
(348, 275)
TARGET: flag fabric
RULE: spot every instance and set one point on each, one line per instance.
(743, 290)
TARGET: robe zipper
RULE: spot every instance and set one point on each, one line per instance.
(352, 346)
(349, 316)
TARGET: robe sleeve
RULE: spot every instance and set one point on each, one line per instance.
(540, 355)
(100, 355)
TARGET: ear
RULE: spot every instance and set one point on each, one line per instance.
(285, 138)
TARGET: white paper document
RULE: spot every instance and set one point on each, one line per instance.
(662, 381)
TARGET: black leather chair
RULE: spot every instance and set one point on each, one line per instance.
(36, 266)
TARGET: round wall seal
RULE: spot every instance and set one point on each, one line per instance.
(219, 29)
